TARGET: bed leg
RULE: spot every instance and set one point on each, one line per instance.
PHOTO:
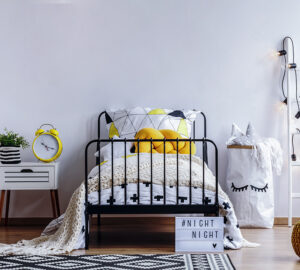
(98, 220)
(86, 230)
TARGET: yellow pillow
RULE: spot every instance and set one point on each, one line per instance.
(158, 147)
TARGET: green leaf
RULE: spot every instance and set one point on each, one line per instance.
(10, 138)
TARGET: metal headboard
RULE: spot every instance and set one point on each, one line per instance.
(194, 136)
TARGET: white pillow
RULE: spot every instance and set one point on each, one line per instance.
(105, 152)
(126, 123)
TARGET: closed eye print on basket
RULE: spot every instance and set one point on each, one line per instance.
(254, 188)
(264, 189)
(238, 189)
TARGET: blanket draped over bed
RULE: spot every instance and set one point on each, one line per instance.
(65, 238)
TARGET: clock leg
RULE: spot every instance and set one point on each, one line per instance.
(2, 202)
(57, 202)
(52, 194)
(7, 207)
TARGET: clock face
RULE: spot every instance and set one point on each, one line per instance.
(45, 146)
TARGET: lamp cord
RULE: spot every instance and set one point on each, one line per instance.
(292, 46)
(296, 82)
(284, 72)
(293, 144)
(283, 77)
(293, 148)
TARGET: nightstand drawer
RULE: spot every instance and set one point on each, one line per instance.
(17, 174)
(19, 177)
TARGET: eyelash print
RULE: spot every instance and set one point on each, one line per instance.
(236, 189)
(264, 189)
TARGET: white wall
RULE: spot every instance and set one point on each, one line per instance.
(64, 61)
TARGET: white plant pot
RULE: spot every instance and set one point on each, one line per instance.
(10, 154)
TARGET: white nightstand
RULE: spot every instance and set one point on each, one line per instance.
(29, 176)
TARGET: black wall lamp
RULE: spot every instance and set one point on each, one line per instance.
(293, 66)
(281, 52)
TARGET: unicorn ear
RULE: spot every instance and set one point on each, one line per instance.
(250, 131)
(236, 131)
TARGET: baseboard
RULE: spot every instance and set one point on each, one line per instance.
(106, 220)
(136, 220)
(284, 220)
(36, 221)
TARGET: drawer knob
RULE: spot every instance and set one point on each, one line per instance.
(26, 171)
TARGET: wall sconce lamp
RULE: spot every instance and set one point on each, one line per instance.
(292, 65)
(281, 52)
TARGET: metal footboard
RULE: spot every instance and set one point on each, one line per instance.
(206, 207)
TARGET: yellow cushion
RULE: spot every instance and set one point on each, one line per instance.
(158, 147)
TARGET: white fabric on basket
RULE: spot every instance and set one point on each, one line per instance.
(249, 181)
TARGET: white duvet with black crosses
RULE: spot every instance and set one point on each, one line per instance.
(233, 238)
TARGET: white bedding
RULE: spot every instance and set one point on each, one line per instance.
(145, 195)
(233, 238)
(67, 232)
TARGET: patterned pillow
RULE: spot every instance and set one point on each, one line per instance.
(126, 123)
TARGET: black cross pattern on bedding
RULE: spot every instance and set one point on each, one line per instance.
(158, 197)
(244, 188)
(111, 200)
(182, 199)
(230, 239)
(123, 185)
(134, 198)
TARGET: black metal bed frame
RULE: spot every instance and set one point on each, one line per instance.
(205, 208)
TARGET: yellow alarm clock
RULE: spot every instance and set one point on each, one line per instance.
(47, 146)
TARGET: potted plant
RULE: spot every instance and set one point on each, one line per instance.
(10, 144)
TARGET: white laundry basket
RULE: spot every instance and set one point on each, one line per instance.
(250, 187)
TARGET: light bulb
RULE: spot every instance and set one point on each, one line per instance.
(285, 101)
(292, 65)
(281, 52)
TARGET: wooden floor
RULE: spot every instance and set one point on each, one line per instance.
(133, 237)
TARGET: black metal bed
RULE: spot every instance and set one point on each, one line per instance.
(205, 208)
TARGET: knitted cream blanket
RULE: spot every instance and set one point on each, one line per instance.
(65, 238)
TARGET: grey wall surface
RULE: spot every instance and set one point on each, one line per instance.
(64, 61)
